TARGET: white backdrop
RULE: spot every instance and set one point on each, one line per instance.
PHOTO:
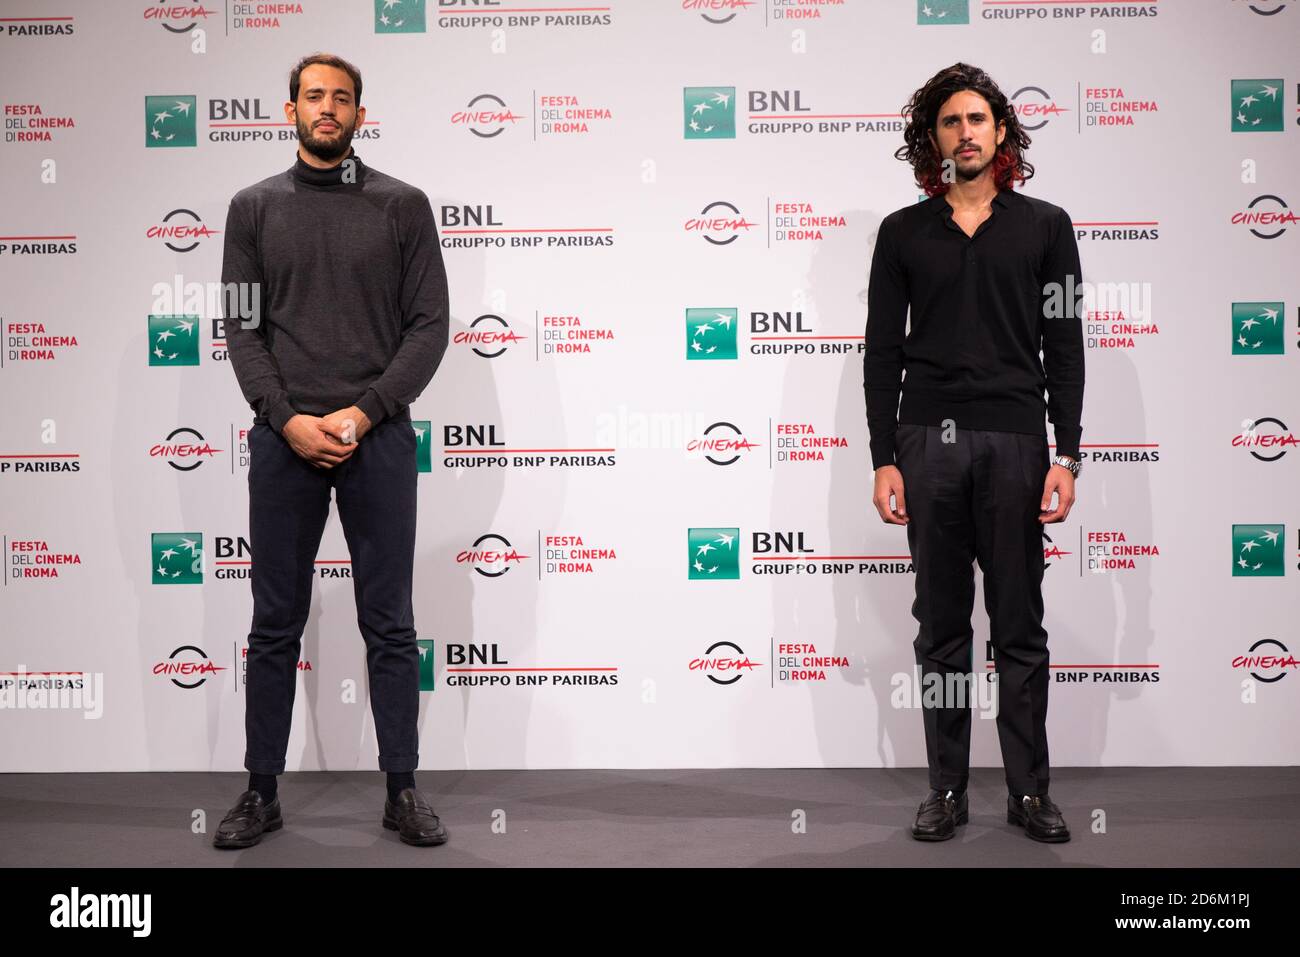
(563, 136)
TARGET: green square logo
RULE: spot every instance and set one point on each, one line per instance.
(1257, 328)
(1257, 106)
(170, 121)
(426, 663)
(1257, 550)
(423, 449)
(173, 340)
(711, 333)
(177, 558)
(713, 553)
(399, 16)
(710, 112)
(929, 12)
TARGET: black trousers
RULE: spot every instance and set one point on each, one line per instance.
(974, 499)
(288, 502)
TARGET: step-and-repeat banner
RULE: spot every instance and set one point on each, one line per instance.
(646, 535)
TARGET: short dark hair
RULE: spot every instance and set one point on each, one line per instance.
(922, 115)
(327, 59)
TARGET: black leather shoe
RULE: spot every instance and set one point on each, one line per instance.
(1040, 818)
(247, 821)
(413, 819)
(939, 814)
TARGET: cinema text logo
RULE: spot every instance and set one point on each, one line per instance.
(1107, 329)
(1257, 105)
(182, 235)
(32, 342)
(1052, 552)
(1111, 550)
(717, 12)
(34, 560)
(798, 442)
(724, 658)
(788, 553)
(488, 336)
(485, 666)
(1034, 107)
(722, 444)
(486, 116)
(178, 18)
(1267, 438)
(1267, 660)
(1267, 216)
(241, 666)
(491, 555)
(478, 446)
(187, 667)
(799, 662)
(719, 223)
(1111, 106)
(1257, 328)
(182, 454)
(1257, 551)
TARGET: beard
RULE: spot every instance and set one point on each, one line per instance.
(326, 148)
(973, 167)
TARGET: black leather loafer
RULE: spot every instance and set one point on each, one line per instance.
(247, 821)
(413, 819)
(1040, 818)
(939, 814)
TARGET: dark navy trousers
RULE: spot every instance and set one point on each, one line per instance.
(288, 502)
(977, 499)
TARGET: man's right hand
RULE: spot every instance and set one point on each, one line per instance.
(889, 482)
(306, 437)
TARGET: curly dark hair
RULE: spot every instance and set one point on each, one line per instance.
(922, 115)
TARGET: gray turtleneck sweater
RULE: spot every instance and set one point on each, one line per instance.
(353, 293)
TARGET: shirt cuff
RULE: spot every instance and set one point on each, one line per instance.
(281, 413)
(1067, 442)
(370, 405)
(882, 452)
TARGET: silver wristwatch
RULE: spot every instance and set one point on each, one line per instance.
(1068, 463)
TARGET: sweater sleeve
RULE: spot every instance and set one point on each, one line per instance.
(882, 362)
(256, 370)
(1062, 281)
(426, 318)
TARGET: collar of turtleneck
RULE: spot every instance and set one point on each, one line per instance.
(333, 176)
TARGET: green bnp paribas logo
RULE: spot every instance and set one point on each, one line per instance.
(173, 340)
(423, 448)
(711, 333)
(425, 646)
(710, 112)
(1257, 106)
(1257, 328)
(1257, 550)
(177, 558)
(714, 553)
(399, 16)
(170, 121)
(930, 12)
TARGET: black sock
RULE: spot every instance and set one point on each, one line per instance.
(397, 781)
(263, 784)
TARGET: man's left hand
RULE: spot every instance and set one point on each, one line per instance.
(1061, 481)
(346, 425)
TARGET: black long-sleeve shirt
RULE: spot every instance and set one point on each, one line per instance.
(982, 309)
(353, 305)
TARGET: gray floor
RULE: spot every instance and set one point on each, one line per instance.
(730, 818)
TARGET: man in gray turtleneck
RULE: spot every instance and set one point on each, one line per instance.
(350, 322)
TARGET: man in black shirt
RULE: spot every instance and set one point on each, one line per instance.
(992, 278)
(351, 322)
